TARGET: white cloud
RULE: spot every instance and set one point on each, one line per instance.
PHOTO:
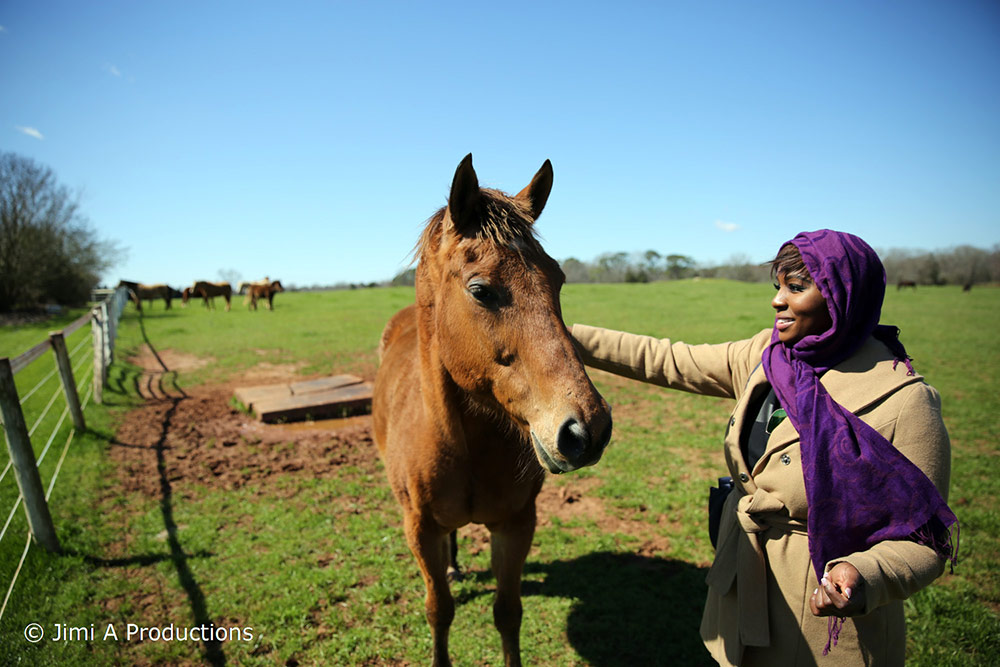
(726, 226)
(30, 131)
(113, 70)
(3, 29)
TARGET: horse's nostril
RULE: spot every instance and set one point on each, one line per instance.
(573, 440)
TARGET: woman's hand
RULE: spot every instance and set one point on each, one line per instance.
(841, 592)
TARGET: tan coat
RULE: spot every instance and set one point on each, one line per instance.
(757, 611)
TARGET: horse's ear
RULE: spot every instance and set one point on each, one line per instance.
(463, 202)
(536, 194)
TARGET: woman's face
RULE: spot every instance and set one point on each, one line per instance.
(800, 309)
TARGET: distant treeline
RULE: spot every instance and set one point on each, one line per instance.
(961, 265)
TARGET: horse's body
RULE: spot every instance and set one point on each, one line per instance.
(140, 292)
(472, 377)
(265, 291)
(246, 284)
(906, 283)
(208, 291)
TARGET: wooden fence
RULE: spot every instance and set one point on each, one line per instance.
(103, 320)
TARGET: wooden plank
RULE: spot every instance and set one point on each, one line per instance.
(324, 384)
(338, 402)
(249, 396)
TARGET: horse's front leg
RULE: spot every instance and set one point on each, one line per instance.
(510, 542)
(429, 544)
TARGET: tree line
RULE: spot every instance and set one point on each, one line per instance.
(49, 252)
(960, 265)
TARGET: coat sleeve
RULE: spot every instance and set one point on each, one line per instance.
(712, 370)
(896, 569)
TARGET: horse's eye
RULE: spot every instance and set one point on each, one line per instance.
(485, 295)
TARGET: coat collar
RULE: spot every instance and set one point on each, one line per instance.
(845, 384)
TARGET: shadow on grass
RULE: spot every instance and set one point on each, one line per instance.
(211, 648)
(629, 609)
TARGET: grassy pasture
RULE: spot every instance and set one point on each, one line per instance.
(319, 567)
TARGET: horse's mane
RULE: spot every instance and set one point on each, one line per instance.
(504, 222)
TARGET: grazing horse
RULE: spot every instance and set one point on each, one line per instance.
(265, 291)
(906, 283)
(475, 376)
(208, 291)
(140, 292)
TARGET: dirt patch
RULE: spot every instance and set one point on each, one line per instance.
(203, 440)
(152, 361)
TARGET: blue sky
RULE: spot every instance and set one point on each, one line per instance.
(309, 141)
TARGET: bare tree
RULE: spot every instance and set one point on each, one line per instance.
(48, 251)
(231, 276)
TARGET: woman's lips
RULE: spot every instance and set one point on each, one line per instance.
(782, 323)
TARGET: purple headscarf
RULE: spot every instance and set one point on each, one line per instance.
(861, 490)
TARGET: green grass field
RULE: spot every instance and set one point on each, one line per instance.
(318, 566)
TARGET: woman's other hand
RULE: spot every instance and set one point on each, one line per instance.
(840, 593)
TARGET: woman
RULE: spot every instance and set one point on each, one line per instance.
(840, 459)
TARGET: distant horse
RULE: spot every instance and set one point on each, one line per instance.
(967, 287)
(243, 286)
(140, 292)
(266, 291)
(208, 291)
(475, 375)
(906, 283)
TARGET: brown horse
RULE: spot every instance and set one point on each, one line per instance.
(906, 283)
(207, 290)
(266, 291)
(473, 377)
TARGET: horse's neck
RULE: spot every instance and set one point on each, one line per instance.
(442, 398)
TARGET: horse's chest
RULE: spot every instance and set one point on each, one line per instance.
(487, 488)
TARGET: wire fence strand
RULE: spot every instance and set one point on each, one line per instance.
(41, 417)
(20, 564)
(38, 386)
(10, 517)
(48, 443)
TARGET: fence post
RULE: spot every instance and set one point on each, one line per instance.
(23, 458)
(108, 343)
(68, 383)
(97, 331)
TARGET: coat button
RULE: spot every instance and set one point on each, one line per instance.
(744, 477)
(786, 459)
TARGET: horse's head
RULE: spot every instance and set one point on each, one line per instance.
(488, 301)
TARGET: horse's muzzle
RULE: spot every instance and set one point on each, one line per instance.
(575, 447)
